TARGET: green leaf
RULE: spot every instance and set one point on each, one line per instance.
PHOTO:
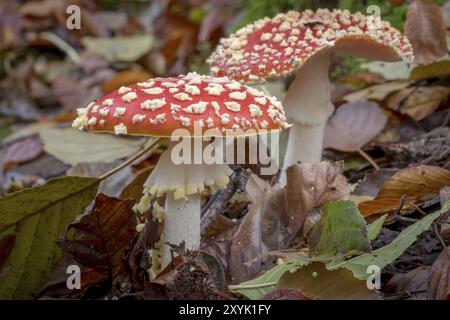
(387, 254)
(256, 288)
(373, 229)
(37, 216)
(127, 49)
(89, 147)
(340, 231)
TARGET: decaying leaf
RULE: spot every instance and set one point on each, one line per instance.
(417, 102)
(389, 70)
(377, 92)
(102, 235)
(134, 189)
(314, 279)
(432, 70)
(353, 125)
(263, 229)
(425, 28)
(256, 288)
(439, 283)
(126, 49)
(417, 183)
(341, 231)
(22, 151)
(37, 216)
(413, 284)
(387, 254)
(89, 147)
(311, 185)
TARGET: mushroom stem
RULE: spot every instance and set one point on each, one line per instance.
(308, 106)
(182, 223)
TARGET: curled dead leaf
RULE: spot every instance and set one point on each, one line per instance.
(439, 283)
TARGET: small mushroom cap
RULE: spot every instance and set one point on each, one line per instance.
(160, 106)
(270, 48)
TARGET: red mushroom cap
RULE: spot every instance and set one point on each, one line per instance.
(269, 48)
(159, 106)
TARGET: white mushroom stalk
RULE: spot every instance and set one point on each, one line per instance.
(308, 106)
(182, 184)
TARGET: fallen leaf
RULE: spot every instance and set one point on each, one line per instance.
(101, 235)
(439, 283)
(314, 279)
(44, 166)
(89, 147)
(417, 183)
(389, 70)
(263, 229)
(22, 151)
(70, 92)
(256, 288)
(432, 70)
(126, 49)
(373, 182)
(6, 246)
(111, 186)
(340, 231)
(354, 125)
(413, 283)
(417, 102)
(386, 255)
(377, 92)
(425, 28)
(125, 78)
(37, 216)
(311, 185)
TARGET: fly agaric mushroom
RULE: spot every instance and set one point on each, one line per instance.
(161, 107)
(303, 43)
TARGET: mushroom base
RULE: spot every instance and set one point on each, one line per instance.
(181, 223)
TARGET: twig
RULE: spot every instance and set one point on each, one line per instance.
(397, 215)
(438, 235)
(130, 160)
(368, 158)
(220, 200)
(62, 45)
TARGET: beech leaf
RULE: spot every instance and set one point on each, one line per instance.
(102, 234)
(353, 125)
(36, 217)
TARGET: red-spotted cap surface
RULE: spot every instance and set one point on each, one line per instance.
(159, 106)
(269, 48)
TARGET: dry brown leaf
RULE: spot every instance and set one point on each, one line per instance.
(22, 151)
(263, 229)
(353, 125)
(439, 283)
(310, 185)
(418, 102)
(314, 279)
(413, 283)
(102, 235)
(425, 28)
(417, 183)
(125, 78)
(134, 189)
(377, 92)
